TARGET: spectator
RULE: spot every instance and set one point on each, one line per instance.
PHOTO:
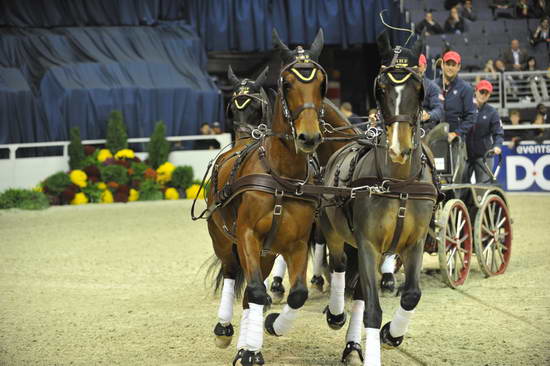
(535, 81)
(542, 33)
(523, 9)
(429, 25)
(468, 11)
(207, 144)
(459, 109)
(454, 23)
(515, 58)
(347, 110)
(487, 134)
(541, 8)
(539, 135)
(216, 128)
(449, 4)
(497, 5)
(432, 106)
(514, 137)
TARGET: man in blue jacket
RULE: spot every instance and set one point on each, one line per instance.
(433, 104)
(460, 111)
(486, 135)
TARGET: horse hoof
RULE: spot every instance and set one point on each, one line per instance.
(224, 335)
(248, 358)
(268, 324)
(335, 321)
(317, 283)
(351, 358)
(387, 284)
(277, 290)
(386, 339)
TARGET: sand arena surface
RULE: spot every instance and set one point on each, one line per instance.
(122, 284)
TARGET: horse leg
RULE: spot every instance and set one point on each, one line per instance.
(392, 333)
(319, 253)
(353, 335)
(336, 316)
(277, 288)
(387, 283)
(372, 319)
(279, 324)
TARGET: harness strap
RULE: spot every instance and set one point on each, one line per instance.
(403, 197)
(275, 223)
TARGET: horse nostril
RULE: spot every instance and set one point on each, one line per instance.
(302, 137)
(406, 152)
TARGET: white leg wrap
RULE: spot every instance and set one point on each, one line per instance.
(279, 268)
(372, 348)
(337, 289)
(318, 259)
(356, 322)
(400, 322)
(284, 321)
(255, 331)
(389, 264)
(225, 311)
(241, 343)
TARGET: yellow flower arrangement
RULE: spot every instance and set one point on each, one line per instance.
(107, 197)
(193, 192)
(79, 199)
(171, 194)
(134, 195)
(164, 172)
(102, 186)
(125, 154)
(78, 177)
(103, 155)
(38, 188)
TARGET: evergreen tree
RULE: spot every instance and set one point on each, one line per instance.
(76, 151)
(159, 147)
(117, 138)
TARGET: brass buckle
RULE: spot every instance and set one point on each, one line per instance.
(402, 212)
(277, 210)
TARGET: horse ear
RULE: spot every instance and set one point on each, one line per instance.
(261, 78)
(286, 54)
(231, 76)
(317, 45)
(384, 47)
(417, 47)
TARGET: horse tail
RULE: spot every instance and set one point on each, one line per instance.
(352, 269)
(316, 237)
(214, 272)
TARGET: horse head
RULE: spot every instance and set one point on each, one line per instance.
(301, 88)
(399, 93)
(249, 105)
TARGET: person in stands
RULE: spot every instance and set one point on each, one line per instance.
(206, 144)
(347, 110)
(486, 135)
(429, 25)
(454, 23)
(468, 11)
(458, 105)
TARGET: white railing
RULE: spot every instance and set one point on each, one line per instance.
(27, 172)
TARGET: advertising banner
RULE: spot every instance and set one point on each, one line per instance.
(526, 168)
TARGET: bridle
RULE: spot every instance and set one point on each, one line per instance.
(242, 98)
(298, 67)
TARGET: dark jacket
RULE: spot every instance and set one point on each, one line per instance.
(424, 26)
(433, 104)
(454, 27)
(460, 110)
(486, 134)
(508, 59)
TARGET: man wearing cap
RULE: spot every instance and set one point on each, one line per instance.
(487, 134)
(459, 108)
(432, 105)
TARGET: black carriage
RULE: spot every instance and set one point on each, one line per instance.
(473, 217)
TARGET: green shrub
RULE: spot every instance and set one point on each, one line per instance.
(117, 138)
(150, 191)
(58, 182)
(114, 173)
(182, 177)
(139, 170)
(93, 192)
(25, 199)
(76, 151)
(159, 147)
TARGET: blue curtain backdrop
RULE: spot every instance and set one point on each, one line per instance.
(67, 63)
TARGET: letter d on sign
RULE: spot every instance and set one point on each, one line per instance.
(512, 163)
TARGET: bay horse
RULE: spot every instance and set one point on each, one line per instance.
(391, 219)
(248, 200)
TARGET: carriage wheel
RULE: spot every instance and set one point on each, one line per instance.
(455, 243)
(493, 236)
